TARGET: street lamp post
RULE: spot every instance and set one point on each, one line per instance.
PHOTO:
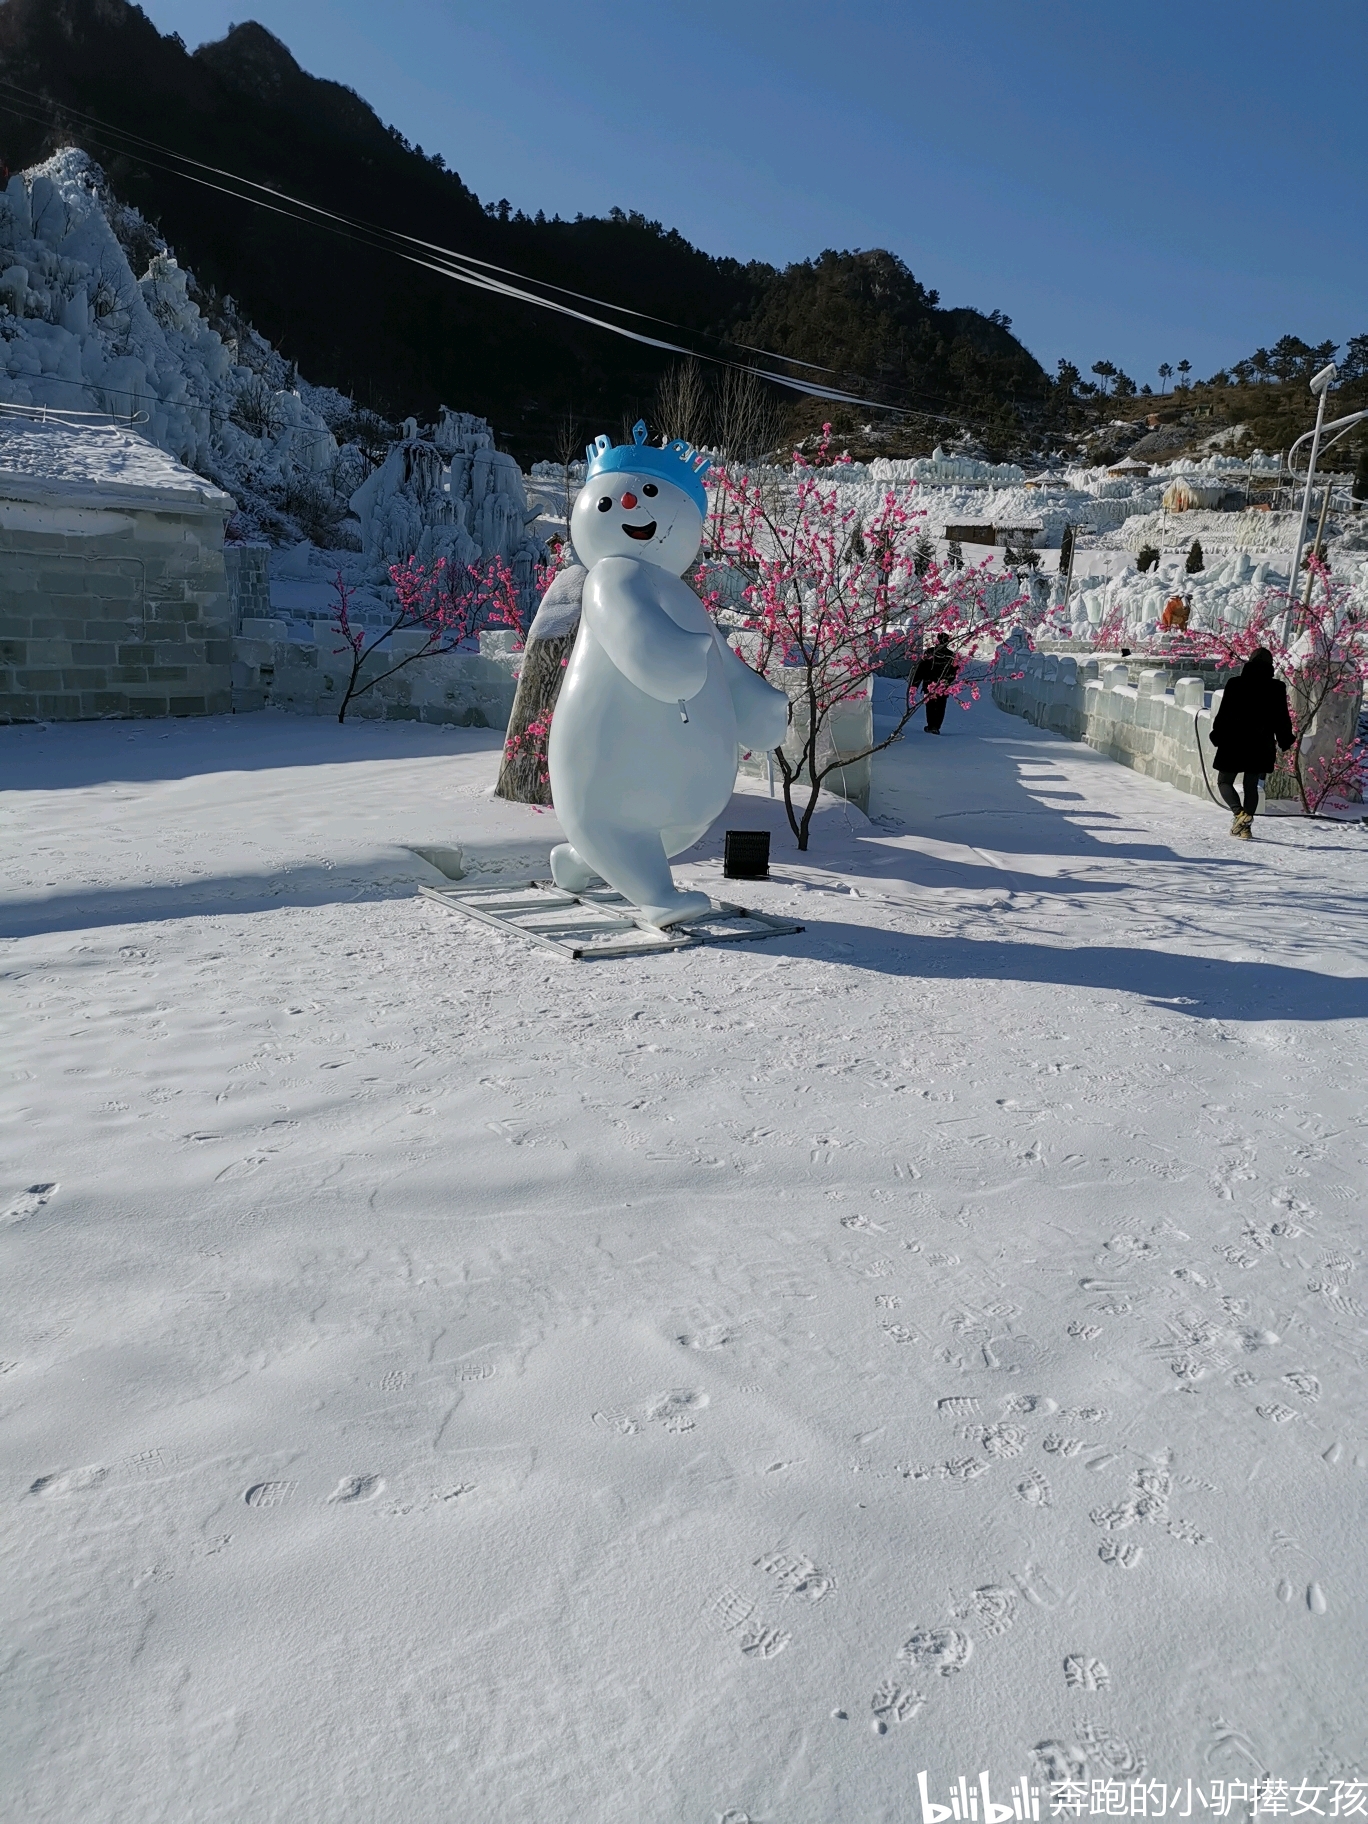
(1324, 437)
(1320, 385)
(1072, 533)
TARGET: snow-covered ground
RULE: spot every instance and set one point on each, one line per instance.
(448, 1383)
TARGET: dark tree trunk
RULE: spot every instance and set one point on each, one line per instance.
(524, 762)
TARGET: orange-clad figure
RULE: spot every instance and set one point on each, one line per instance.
(1176, 614)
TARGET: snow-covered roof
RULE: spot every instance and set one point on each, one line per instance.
(97, 464)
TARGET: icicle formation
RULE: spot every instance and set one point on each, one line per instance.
(80, 333)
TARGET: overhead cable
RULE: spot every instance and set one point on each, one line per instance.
(466, 269)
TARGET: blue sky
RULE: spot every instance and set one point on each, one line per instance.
(1150, 183)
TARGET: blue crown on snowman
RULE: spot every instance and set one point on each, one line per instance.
(678, 462)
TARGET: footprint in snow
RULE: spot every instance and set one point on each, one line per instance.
(27, 1202)
(357, 1488)
(69, 1482)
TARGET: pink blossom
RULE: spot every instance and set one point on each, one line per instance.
(833, 597)
(451, 605)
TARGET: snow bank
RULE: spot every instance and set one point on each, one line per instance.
(95, 461)
(1252, 531)
(949, 471)
(556, 471)
(1224, 467)
(1225, 594)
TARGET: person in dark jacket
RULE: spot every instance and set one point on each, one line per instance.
(1253, 715)
(936, 675)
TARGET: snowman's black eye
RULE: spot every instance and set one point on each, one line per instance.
(651, 490)
(605, 505)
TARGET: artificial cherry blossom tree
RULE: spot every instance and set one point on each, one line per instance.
(818, 596)
(449, 604)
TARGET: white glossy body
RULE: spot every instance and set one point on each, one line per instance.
(633, 782)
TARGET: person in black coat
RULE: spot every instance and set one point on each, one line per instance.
(936, 674)
(1253, 715)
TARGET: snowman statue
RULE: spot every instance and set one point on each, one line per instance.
(644, 743)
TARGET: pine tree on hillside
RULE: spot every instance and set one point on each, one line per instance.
(1291, 356)
(1165, 374)
(1184, 368)
(1354, 366)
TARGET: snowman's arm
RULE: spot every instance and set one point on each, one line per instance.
(647, 647)
(761, 710)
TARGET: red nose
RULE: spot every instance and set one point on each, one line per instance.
(629, 501)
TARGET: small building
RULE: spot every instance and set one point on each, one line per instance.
(979, 534)
(1129, 469)
(113, 594)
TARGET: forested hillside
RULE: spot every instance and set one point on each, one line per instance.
(93, 72)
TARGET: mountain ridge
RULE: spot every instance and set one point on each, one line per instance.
(401, 340)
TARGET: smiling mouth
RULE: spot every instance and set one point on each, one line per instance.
(641, 532)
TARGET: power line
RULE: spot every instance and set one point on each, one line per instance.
(269, 190)
(463, 268)
(392, 238)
